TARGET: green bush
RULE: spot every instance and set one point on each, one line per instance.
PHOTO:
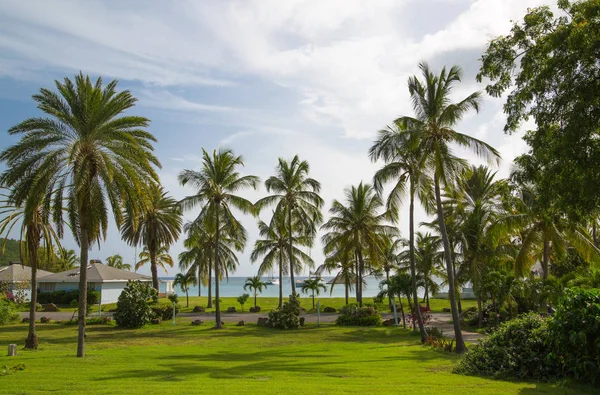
(133, 306)
(66, 297)
(288, 316)
(8, 311)
(164, 311)
(518, 349)
(574, 335)
(352, 315)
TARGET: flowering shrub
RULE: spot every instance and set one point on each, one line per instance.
(288, 316)
(425, 316)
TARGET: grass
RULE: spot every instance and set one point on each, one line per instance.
(167, 359)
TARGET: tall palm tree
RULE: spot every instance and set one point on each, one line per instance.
(89, 155)
(432, 125)
(359, 229)
(155, 224)
(35, 229)
(313, 285)
(297, 195)
(256, 285)
(273, 246)
(216, 184)
(185, 281)
(162, 258)
(116, 261)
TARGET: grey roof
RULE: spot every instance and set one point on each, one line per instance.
(96, 273)
(16, 272)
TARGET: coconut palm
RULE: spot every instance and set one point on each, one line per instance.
(432, 126)
(273, 246)
(313, 285)
(68, 259)
(185, 281)
(162, 258)
(358, 229)
(216, 184)
(116, 261)
(398, 285)
(89, 155)
(429, 259)
(256, 285)
(404, 166)
(35, 230)
(155, 224)
(296, 195)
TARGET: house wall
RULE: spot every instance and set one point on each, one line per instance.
(111, 292)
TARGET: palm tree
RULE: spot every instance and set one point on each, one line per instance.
(313, 285)
(116, 261)
(155, 224)
(68, 259)
(297, 195)
(340, 259)
(428, 258)
(162, 258)
(398, 285)
(358, 228)
(35, 229)
(87, 153)
(185, 281)
(390, 260)
(273, 246)
(403, 165)
(216, 184)
(255, 284)
(432, 126)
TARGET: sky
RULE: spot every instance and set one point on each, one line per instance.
(265, 78)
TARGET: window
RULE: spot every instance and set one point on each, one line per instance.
(47, 287)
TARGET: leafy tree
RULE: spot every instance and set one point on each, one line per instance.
(162, 258)
(273, 246)
(359, 229)
(133, 306)
(242, 299)
(88, 156)
(313, 285)
(116, 261)
(256, 285)
(185, 281)
(155, 225)
(432, 127)
(216, 184)
(297, 195)
(549, 66)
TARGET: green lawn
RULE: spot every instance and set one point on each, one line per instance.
(183, 359)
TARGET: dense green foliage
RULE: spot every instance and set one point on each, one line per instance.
(67, 297)
(354, 315)
(9, 251)
(8, 310)
(287, 316)
(133, 306)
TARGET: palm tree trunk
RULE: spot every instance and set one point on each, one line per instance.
(82, 309)
(154, 268)
(209, 305)
(402, 312)
(545, 259)
(387, 279)
(427, 297)
(280, 277)
(32, 341)
(313, 299)
(199, 283)
(456, 285)
(290, 251)
(594, 235)
(254, 297)
(356, 277)
(347, 291)
(217, 303)
(460, 343)
(361, 267)
(187, 298)
(413, 269)
(480, 323)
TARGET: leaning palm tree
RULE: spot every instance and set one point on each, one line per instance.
(162, 259)
(256, 285)
(35, 229)
(405, 166)
(116, 261)
(155, 224)
(216, 184)
(273, 246)
(432, 126)
(315, 286)
(296, 195)
(89, 155)
(185, 281)
(358, 228)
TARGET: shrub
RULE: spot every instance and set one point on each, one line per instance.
(352, 315)
(518, 349)
(66, 297)
(199, 309)
(133, 306)
(329, 310)
(425, 316)
(288, 316)
(242, 299)
(574, 334)
(164, 312)
(8, 311)
(434, 332)
(45, 320)
(439, 343)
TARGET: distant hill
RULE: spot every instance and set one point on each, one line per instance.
(11, 252)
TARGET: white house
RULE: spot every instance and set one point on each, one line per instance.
(107, 280)
(15, 273)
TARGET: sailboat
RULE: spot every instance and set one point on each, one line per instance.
(272, 280)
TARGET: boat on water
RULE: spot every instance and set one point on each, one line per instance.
(272, 281)
(300, 283)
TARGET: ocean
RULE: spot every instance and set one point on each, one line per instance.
(235, 287)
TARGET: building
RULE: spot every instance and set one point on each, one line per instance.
(107, 280)
(15, 274)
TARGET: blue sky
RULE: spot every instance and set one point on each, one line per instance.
(265, 78)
